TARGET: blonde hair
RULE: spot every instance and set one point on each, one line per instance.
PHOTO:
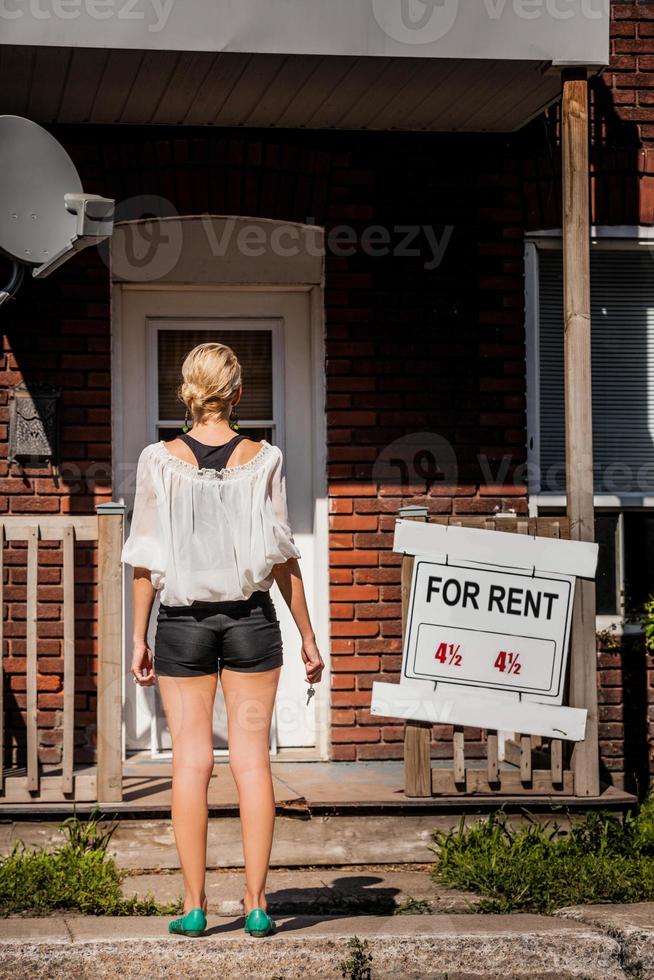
(212, 375)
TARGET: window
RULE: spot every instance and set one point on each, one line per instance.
(622, 318)
(252, 343)
(625, 568)
(622, 347)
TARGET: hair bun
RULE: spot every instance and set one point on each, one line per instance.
(212, 375)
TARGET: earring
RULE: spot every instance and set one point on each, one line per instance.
(186, 425)
(233, 420)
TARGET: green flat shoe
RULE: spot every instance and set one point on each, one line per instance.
(192, 924)
(259, 923)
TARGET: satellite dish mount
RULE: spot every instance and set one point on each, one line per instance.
(45, 216)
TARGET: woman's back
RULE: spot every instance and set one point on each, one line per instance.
(214, 457)
(208, 531)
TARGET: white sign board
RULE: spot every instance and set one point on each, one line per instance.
(488, 627)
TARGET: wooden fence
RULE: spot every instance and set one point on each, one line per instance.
(105, 784)
(536, 766)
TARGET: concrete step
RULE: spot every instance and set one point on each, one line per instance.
(418, 947)
(322, 891)
(632, 925)
(298, 841)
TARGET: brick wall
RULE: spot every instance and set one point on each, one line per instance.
(57, 332)
(413, 346)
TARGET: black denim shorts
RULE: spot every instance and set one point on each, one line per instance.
(240, 634)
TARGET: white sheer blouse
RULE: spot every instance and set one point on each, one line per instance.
(207, 534)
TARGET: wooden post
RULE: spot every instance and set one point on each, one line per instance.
(68, 746)
(110, 666)
(417, 734)
(578, 413)
(2, 643)
(33, 778)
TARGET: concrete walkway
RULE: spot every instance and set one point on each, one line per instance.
(323, 891)
(402, 946)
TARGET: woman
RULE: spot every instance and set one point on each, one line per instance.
(210, 533)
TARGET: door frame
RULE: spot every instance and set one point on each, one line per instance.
(236, 274)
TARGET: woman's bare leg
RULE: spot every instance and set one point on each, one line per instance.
(188, 703)
(249, 700)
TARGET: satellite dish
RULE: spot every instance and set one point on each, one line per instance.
(45, 216)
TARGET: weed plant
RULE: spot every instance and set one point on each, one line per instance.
(602, 857)
(79, 876)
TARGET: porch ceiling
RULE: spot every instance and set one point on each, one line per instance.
(73, 85)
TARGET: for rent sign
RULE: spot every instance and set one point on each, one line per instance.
(487, 630)
(490, 628)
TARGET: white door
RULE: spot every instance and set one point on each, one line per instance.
(270, 331)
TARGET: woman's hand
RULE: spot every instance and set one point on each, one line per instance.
(142, 665)
(312, 661)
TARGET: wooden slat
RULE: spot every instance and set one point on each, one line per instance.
(458, 744)
(417, 750)
(579, 412)
(491, 755)
(50, 528)
(535, 525)
(417, 734)
(510, 782)
(31, 644)
(110, 668)
(442, 782)
(2, 679)
(556, 760)
(69, 658)
(525, 758)
(512, 752)
(50, 791)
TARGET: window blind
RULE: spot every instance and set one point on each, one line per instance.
(622, 344)
(254, 351)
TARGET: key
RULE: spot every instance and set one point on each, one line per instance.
(310, 694)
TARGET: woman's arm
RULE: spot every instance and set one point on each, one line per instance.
(144, 550)
(143, 593)
(289, 579)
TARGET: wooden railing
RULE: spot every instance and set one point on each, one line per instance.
(536, 766)
(106, 529)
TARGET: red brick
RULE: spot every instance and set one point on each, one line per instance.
(354, 558)
(342, 682)
(355, 664)
(357, 522)
(347, 699)
(355, 735)
(342, 593)
(354, 628)
(341, 610)
(342, 645)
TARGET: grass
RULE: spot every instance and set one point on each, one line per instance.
(538, 868)
(79, 876)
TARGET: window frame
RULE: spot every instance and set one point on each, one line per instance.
(155, 325)
(610, 238)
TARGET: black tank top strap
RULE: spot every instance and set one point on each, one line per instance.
(211, 457)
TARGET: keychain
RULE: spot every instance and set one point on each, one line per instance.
(310, 694)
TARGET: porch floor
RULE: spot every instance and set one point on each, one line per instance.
(300, 788)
